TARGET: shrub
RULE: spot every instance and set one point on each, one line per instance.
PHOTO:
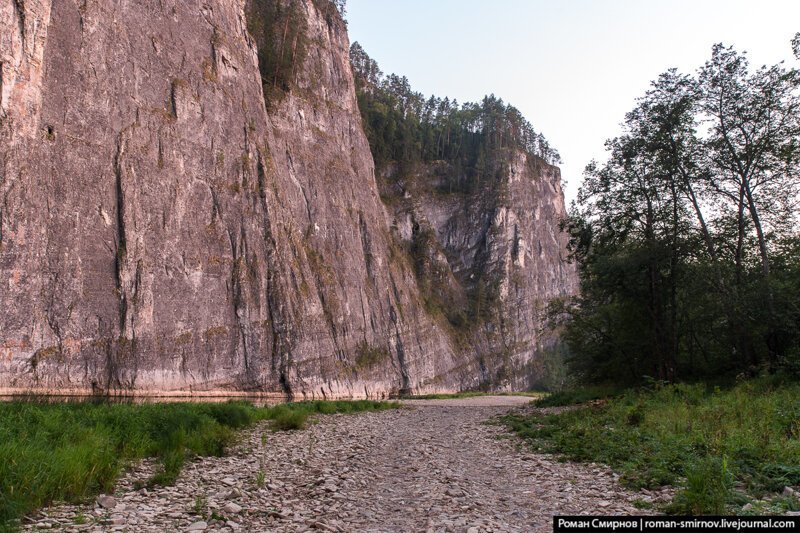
(708, 488)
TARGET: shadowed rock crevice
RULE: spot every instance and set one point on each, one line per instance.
(122, 240)
(19, 10)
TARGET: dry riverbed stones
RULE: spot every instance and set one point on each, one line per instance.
(434, 466)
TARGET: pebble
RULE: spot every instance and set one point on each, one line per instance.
(232, 508)
(106, 502)
(198, 526)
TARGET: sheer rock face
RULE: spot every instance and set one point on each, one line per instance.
(161, 232)
(501, 245)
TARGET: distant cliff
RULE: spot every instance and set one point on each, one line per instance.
(174, 220)
(489, 261)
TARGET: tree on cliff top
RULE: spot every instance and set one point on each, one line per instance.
(406, 128)
(280, 31)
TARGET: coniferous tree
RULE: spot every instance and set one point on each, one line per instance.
(405, 128)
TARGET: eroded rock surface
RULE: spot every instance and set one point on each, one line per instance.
(162, 231)
(492, 259)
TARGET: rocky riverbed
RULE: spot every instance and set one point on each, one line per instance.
(435, 465)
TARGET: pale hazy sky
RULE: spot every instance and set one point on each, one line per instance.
(573, 67)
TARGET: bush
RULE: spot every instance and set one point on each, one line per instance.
(289, 419)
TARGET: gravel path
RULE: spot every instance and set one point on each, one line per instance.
(433, 466)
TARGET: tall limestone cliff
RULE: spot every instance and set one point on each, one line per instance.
(165, 229)
(489, 261)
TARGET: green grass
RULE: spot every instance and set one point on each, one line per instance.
(293, 416)
(73, 451)
(472, 394)
(722, 447)
(577, 396)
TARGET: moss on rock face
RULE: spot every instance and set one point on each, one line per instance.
(369, 356)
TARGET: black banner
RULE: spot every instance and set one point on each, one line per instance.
(631, 524)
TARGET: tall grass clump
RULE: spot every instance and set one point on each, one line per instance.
(708, 488)
(719, 445)
(292, 416)
(72, 451)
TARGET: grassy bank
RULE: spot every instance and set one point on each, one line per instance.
(73, 451)
(473, 394)
(724, 448)
(577, 396)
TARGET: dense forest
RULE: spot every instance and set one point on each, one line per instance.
(406, 128)
(686, 238)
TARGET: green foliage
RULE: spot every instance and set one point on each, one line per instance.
(472, 394)
(580, 395)
(687, 242)
(344, 406)
(704, 439)
(294, 416)
(467, 148)
(72, 451)
(200, 505)
(447, 395)
(548, 371)
(332, 10)
(369, 356)
(432, 279)
(280, 32)
(708, 489)
(406, 128)
(289, 419)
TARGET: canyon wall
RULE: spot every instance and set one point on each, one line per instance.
(162, 230)
(489, 261)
